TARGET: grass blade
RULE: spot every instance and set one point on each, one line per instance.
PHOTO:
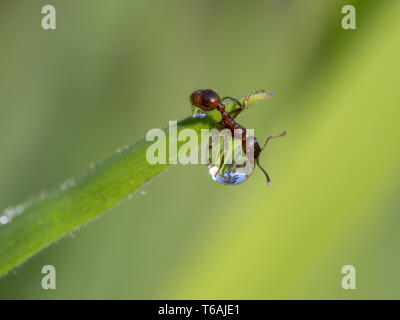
(37, 223)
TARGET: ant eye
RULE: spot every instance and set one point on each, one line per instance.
(236, 167)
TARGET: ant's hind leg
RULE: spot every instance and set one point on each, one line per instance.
(272, 137)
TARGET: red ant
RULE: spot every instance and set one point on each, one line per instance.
(208, 100)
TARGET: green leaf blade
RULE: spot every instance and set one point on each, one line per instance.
(48, 218)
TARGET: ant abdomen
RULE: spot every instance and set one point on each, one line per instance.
(251, 147)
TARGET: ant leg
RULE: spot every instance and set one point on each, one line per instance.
(233, 114)
(271, 137)
(236, 112)
(233, 99)
(265, 172)
(219, 126)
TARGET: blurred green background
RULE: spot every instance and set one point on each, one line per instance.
(112, 70)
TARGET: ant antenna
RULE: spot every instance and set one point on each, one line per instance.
(265, 172)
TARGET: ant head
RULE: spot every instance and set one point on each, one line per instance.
(205, 99)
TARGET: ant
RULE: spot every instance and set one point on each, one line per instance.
(208, 100)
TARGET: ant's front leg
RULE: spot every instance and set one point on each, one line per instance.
(233, 114)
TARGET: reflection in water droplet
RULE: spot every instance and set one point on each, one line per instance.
(198, 113)
(228, 177)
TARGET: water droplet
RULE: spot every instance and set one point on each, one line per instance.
(67, 184)
(143, 192)
(198, 113)
(130, 196)
(236, 169)
(10, 213)
(92, 165)
(4, 219)
(118, 150)
(269, 94)
(19, 209)
(43, 194)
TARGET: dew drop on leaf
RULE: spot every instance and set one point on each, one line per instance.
(4, 219)
(236, 169)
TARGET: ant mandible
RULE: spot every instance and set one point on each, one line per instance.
(208, 100)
